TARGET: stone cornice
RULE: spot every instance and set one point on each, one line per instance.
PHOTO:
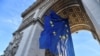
(34, 5)
(26, 23)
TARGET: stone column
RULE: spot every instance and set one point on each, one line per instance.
(24, 41)
(33, 44)
(29, 45)
(92, 8)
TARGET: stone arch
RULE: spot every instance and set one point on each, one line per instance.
(66, 7)
(78, 18)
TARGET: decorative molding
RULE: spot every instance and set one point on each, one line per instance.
(70, 9)
(33, 6)
(13, 46)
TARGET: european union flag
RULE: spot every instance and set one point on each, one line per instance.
(56, 33)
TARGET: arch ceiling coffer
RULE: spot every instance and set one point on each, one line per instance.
(77, 17)
(75, 13)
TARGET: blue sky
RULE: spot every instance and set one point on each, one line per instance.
(85, 44)
(10, 19)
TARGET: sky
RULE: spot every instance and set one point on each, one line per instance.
(10, 19)
(85, 44)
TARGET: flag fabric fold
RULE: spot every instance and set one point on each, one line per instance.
(56, 30)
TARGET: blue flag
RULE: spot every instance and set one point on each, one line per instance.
(56, 31)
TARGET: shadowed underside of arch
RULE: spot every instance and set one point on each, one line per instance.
(78, 19)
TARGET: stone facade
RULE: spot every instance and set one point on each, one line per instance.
(80, 13)
(13, 46)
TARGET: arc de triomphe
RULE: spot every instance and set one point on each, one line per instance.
(82, 15)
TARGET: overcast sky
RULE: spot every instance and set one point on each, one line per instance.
(10, 19)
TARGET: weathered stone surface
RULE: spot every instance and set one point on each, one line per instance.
(82, 16)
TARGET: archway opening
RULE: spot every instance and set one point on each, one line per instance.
(78, 20)
(85, 44)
